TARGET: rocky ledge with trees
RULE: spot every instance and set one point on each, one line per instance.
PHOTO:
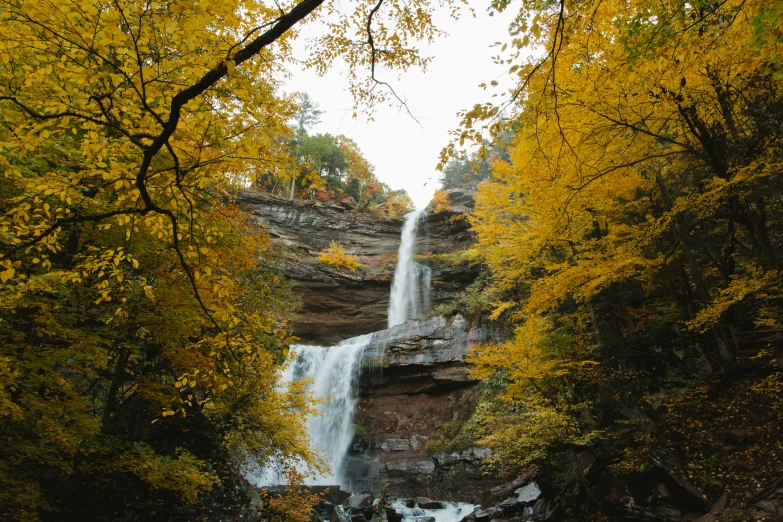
(628, 231)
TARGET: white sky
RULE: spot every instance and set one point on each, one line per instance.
(404, 152)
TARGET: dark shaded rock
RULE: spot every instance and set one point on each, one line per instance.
(325, 509)
(485, 515)
(428, 503)
(504, 491)
(361, 500)
(332, 494)
(391, 515)
(339, 516)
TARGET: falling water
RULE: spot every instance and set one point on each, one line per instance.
(411, 284)
(332, 371)
(451, 512)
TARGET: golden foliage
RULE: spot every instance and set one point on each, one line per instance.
(335, 256)
(440, 202)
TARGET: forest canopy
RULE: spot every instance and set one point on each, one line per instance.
(143, 320)
(628, 213)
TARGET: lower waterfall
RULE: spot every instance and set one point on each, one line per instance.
(332, 371)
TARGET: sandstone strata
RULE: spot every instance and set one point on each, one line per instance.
(338, 304)
(416, 379)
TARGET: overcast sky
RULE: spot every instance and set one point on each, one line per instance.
(404, 152)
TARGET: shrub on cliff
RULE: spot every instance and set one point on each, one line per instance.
(335, 256)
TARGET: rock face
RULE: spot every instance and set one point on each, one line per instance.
(339, 304)
(415, 380)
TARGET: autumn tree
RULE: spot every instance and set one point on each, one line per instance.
(143, 321)
(641, 196)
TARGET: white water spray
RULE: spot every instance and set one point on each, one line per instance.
(411, 284)
(333, 371)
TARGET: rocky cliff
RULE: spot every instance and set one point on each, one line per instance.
(415, 377)
(415, 380)
(338, 304)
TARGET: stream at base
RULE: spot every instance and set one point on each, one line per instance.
(452, 512)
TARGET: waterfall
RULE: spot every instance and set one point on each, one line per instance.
(333, 371)
(409, 297)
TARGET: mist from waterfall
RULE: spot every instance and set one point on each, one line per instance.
(333, 372)
(410, 289)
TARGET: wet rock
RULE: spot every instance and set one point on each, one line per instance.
(427, 503)
(392, 515)
(361, 500)
(485, 515)
(395, 444)
(528, 493)
(339, 516)
(326, 508)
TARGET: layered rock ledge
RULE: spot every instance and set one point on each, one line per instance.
(415, 379)
(338, 304)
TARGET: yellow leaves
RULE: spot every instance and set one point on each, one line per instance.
(440, 202)
(335, 256)
(752, 283)
(7, 274)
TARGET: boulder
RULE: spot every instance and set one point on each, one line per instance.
(348, 202)
(392, 515)
(339, 516)
(528, 493)
(359, 501)
(503, 491)
(432, 504)
(485, 515)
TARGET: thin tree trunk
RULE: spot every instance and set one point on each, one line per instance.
(293, 186)
(116, 383)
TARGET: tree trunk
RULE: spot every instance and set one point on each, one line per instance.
(116, 383)
(293, 186)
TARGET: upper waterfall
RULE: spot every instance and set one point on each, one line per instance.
(410, 289)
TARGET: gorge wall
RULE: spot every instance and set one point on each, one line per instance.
(414, 378)
(415, 381)
(338, 304)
